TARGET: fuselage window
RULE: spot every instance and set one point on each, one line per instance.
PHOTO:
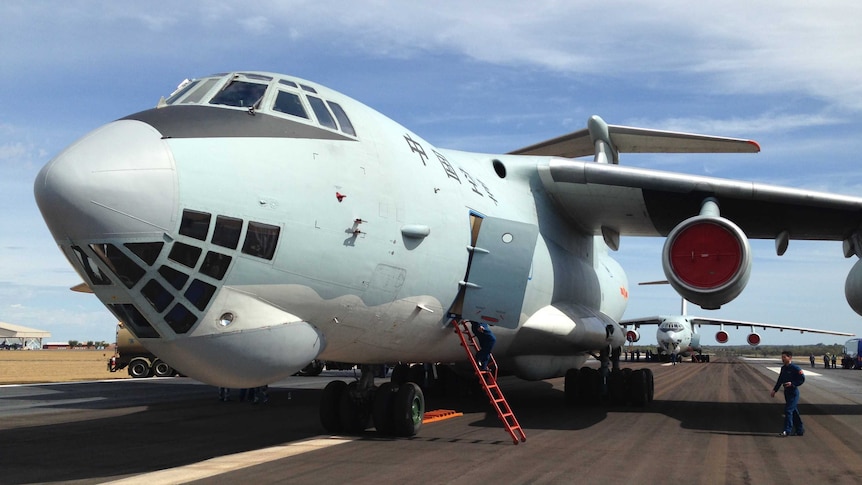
(185, 254)
(134, 320)
(201, 91)
(322, 113)
(122, 265)
(215, 265)
(157, 295)
(94, 274)
(227, 230)
(289, 103)
(195, 224)
(260, 240)
(180, 319)
(175, 278)
(287, 83)
(239, 93)
(200, 293)
(308, 88)
(341, 116)
(148, 252)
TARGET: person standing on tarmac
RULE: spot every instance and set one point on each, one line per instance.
(790, 377)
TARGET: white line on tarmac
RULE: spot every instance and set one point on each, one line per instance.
(777, 370)
(229, 463)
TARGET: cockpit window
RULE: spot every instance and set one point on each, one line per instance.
(322, 113)
(289, 103)
(198, 94)
(182, 91)
(240, 93)
(341, 116)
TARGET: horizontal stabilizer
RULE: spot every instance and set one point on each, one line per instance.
(627, 139)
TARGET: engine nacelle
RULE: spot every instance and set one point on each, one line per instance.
(853, 287)
(632, 335)
(707, 260)
(753, 339)
(721, 337)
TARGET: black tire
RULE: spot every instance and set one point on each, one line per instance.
(381, 412)
(416, 373)
(638, 388)
(330, 403)
(589, 386)
(399, 374)
(650, 384)
(139, 368)
(355, 414)
(162, 369)
(571, 387)
(617, 388)
(408, 410)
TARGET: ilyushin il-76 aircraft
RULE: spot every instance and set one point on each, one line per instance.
(253, 222)
(677, 334)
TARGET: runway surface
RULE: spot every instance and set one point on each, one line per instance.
(710, 423)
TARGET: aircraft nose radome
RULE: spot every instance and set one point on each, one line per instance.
(118, 180)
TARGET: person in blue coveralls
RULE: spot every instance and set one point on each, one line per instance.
(790, 378)
(486, 340)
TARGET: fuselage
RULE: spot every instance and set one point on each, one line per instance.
(675, 335)
(254, 222)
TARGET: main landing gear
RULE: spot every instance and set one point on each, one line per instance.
(394, 408)
(588, 386)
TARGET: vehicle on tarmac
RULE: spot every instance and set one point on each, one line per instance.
(139, 361)
(852, 354)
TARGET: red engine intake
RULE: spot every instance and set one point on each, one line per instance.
(721, 337)
(753, 339)
(707, 260)
(632, 336)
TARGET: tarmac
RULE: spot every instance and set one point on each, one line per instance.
(711, 423)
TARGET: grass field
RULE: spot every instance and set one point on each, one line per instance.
(36, 366)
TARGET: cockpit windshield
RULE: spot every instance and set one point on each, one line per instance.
(250, 91)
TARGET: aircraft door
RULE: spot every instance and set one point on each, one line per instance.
(499, 268)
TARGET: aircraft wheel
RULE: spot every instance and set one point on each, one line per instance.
(399, 374)
(416, 373)
(571, 387)
(589, 386)
(314, 368)
(650, 384)
(352, 410)
(330, 404)
(638, 388)
(382, 409)
(409, 409)
(139, 368)
(617, 387)
(162, 369)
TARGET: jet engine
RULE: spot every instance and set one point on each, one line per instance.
(632, 335)
(707, 260)
(853, 287)
(753, 339)
(721, 337)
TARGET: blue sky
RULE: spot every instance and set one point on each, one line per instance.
(484, 76)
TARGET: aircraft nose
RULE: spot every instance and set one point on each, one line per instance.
(117, 181)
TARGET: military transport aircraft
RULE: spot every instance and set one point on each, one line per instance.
(677, 334)
(252, 222)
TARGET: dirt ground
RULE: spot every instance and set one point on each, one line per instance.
(38, 366)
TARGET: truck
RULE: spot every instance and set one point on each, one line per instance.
(140, 362)
(852, 354)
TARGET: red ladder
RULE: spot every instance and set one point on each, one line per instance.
(488, 378)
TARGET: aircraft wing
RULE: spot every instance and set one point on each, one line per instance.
(627, 139)
(642, 202)
(737, 324)
(642, 321)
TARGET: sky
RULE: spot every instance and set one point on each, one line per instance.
(487, 76)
